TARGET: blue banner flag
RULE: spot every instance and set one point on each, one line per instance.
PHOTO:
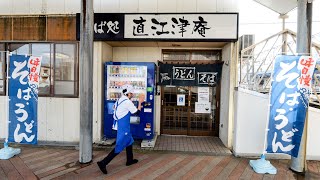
(291, 88)
(23, 98)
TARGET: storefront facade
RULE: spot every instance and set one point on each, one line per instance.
(41, 31)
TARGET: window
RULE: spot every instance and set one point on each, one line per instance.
(189, 56)
(59, 67)
(44, 50)
(65, 69)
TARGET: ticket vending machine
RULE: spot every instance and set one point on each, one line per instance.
(141, 75)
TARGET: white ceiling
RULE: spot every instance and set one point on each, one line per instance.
(165, 44)
(279, 6)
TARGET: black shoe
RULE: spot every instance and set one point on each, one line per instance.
(102, 167)
(131, 162)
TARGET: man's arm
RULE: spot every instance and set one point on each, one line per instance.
(141, 100)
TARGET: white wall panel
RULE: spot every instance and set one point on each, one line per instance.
(21, 7)
(107, 53)
(42, 119)
(116, 6)
(224, 96)
(97, 76)
(6, 7)
(227, 6)
(167, 6)
(55, 108)
(148, 6)
(58, 119)
(129, 6)
(233, 6)
(102, 52)
(72, 6)
(71, 119)
(110, 6)
(55, 7)
(36, 6)
(120, 54)
(3, 116)
(135, 54)
(207, 6)
(151, 54)
(184, 6)
(158, 114)
(96, 6)
(313, 143)
(250, 122)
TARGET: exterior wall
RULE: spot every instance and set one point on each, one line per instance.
(152, 54)
(250, 124)
(58, 119)
(3, 116)
(137, 54)
(226, 98)
(102, 53)
(313, 144)
(18, 7)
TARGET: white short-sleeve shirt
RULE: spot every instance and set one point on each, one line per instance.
(123, 108)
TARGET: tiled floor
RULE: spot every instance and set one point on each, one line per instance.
(57, 163)
(210, 145)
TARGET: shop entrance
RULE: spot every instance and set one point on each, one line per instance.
(182, 112)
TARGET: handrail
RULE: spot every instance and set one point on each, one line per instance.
(249, 66)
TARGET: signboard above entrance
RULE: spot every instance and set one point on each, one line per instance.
(189, 74)
(222, 27)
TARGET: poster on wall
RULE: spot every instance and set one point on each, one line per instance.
(23, 98)
(203, 94)
(291, 88)
(181, 100)
(202, 107)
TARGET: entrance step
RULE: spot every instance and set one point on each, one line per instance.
(108, 142)
(191, 144)
(149, 143)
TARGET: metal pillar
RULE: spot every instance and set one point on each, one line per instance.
(86, 73)
(303, 48)
(284, 36)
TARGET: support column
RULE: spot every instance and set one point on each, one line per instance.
(86, 82)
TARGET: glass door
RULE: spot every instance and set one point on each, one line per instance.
(189, 111)
(175, 110)
(202, 111)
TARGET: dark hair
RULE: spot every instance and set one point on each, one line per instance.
(124, 91)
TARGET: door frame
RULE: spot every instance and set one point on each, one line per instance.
(188, 132)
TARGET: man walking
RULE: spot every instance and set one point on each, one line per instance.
(123, 109)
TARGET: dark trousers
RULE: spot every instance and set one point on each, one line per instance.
(112, 155)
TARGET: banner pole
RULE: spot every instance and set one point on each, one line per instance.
(262, 166)
(7, 99)
(304, 19)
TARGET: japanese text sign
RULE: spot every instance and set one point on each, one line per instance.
(185, 27)
(23, 98)
(189, 74)
(291, 86)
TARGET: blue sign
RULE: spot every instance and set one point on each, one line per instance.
(23, 98)
(291, 86)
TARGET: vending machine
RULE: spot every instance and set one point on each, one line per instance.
(141, 75)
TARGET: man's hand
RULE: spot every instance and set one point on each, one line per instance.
(141, 98)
